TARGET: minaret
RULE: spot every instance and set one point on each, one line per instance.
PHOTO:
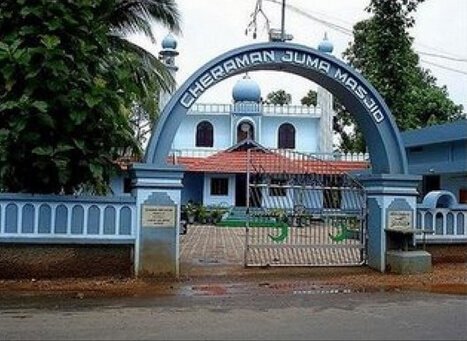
(167, 56)
(325, 102)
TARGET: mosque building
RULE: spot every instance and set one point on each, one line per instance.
(212, 140)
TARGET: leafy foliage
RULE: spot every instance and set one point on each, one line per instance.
(68, 82)
(343, 122)
(310, 99)
(382, 51)
(135, 16)
(279, 97)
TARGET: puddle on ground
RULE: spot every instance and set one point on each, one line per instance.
(212, 290)
(455, 289)
(322, 292)
(287, 288)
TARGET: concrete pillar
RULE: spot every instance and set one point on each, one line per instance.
(158, 196)
(387, 195)
(324, 102)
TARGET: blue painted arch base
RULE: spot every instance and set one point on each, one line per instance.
(157, 249)
(387, 193)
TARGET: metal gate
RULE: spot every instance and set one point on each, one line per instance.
(303, 211)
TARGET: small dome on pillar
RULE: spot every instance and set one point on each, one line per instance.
(326, 46)
(169, 42)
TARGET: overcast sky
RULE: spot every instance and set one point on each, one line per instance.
(212, 27)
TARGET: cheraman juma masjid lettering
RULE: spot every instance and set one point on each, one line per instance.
(247, 60)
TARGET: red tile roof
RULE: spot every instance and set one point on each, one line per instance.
(269, 162)
(125, 161)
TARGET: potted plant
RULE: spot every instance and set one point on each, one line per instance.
(354, 229)
(279, 214)
(216, 215)
(190, 211)
(202, 213)
(298, 212)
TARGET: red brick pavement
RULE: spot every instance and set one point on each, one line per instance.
(211, 245)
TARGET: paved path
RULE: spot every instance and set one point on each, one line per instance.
(206, 245)
(211, 245)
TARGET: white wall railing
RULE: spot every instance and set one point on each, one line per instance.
(193, 152)
(205, 152)
(338, 156)
(265, 109)
(67, 219)
(449, 225)
(209, 108)
(270, 109)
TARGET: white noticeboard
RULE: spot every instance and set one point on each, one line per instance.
(400, 220)
(158, 216)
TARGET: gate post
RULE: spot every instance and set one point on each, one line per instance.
(158, 196)
(388, 196)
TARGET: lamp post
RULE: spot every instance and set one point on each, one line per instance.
(283, 21)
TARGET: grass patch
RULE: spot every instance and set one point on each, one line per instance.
(242, 223)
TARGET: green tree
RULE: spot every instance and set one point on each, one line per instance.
(149, 73)
(68, 83)
(351, 139)
(279, 97)
(310, 99)
(382, 51)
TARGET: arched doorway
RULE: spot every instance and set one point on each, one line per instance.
(245, 131)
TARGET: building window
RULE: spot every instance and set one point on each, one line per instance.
(463, 196)
(204, 134)
(416, 149)
(127, 185)
(332, 191)
(245, 130)
(277, 188)
(430, 183)
(219, 186)
(332, 198)
(286, 136)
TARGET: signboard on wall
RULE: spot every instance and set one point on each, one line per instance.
(158, 216)
(400, 220)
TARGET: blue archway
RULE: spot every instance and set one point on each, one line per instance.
(355, 93)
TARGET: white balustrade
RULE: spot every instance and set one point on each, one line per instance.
(47, 218)
(265, 109)
(448, 225)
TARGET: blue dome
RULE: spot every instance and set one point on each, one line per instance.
(326, 46)
(169, 42)
(246, 90)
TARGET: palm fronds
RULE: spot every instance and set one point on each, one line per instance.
(136, 16)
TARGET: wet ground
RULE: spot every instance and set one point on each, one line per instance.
(239, 311)
(235, 280)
